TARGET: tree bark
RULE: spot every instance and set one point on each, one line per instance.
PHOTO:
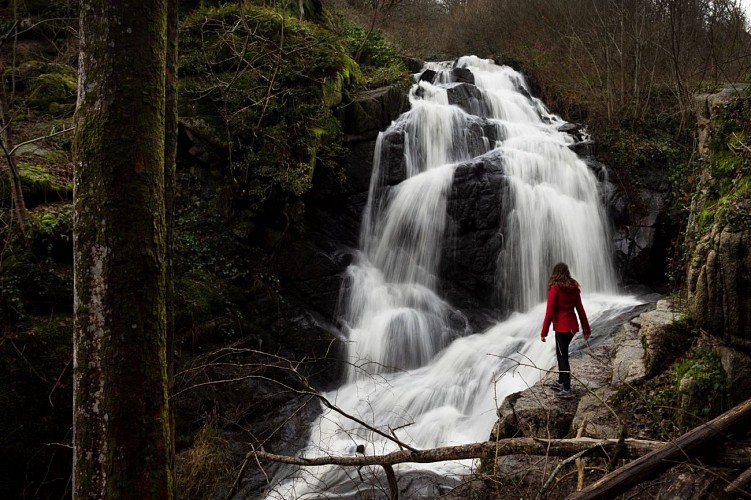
(121, 412)
(687, 446)
(170, 168)
(6, 136)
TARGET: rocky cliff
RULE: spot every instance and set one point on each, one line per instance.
(719, 235)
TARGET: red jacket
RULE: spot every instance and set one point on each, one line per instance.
(560, 311)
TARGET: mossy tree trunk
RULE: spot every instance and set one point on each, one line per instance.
(122, 442)
(170, 167)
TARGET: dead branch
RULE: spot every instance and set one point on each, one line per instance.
(510, 446)
(690, 445)
(739, 482)
(731, 456)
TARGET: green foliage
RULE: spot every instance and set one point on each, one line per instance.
(724, 194)
(705, 368)
(377, 51)
(656, 403)
(656, 145)
(379, 60)
(261, 84)
(38, 185)
(198, 296)
(36, 275)
(675, 340)
(53, 88)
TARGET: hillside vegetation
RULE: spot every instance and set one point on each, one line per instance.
(262, 93)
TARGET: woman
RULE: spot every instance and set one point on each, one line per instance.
(563, 298)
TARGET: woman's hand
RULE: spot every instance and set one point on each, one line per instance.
(542, 337)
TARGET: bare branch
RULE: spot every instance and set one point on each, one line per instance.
(510, 446)
(40, 138)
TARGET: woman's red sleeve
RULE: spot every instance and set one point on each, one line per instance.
(582, 315)
(552, 303)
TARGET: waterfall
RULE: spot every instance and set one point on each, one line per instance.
(415, 368)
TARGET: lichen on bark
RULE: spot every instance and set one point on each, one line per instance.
(121, 424)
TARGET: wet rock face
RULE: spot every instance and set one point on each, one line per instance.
(719, 283)
(719, 270)
(475, 214)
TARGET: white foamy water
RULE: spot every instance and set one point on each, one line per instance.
(414, 369)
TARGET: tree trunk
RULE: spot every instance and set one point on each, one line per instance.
(19, 205)
(121, 429)
(699, 441)
(170, 167)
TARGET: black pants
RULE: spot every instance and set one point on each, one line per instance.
(562, 341)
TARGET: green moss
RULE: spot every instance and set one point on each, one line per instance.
(675, 340)
(54, 221)
(705, 368)
(269, 109)
(38, 185)
(725, 192)
(198, 298)
(725, 163)
(53, 88)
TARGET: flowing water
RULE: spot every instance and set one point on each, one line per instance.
(415, 370)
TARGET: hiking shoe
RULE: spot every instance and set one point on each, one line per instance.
(564, 394)
(554, 384)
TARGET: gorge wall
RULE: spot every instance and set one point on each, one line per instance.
(719, 235)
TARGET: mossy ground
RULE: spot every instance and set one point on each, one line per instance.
(724, 197)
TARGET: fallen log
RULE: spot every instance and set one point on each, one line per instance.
(699, 441)
(733, 456)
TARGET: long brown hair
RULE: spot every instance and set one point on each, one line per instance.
(561, 277)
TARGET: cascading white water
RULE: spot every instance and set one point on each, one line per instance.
(413, 372)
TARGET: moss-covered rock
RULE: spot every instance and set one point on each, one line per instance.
(53, 92)
(36, 272)
(268, 106)
(718, 233)
(38, 184)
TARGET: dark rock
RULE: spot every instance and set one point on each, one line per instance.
(575, 130)
(372, 111)
(737, 366)
(719, 283)
(536, 412)
(641, 237)
(427, 76)
(393, 163)
(469, 98)
(583, 148)
(474, 222)
(413, 65)
(463, 75)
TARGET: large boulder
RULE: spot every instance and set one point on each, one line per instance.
(474, 220)
(719, 231)
(372, 111)
(719, 282)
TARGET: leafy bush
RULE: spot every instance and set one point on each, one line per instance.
(378, 58)
(705, 368)
(725, 194)
(260, 86)
(36, 274)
